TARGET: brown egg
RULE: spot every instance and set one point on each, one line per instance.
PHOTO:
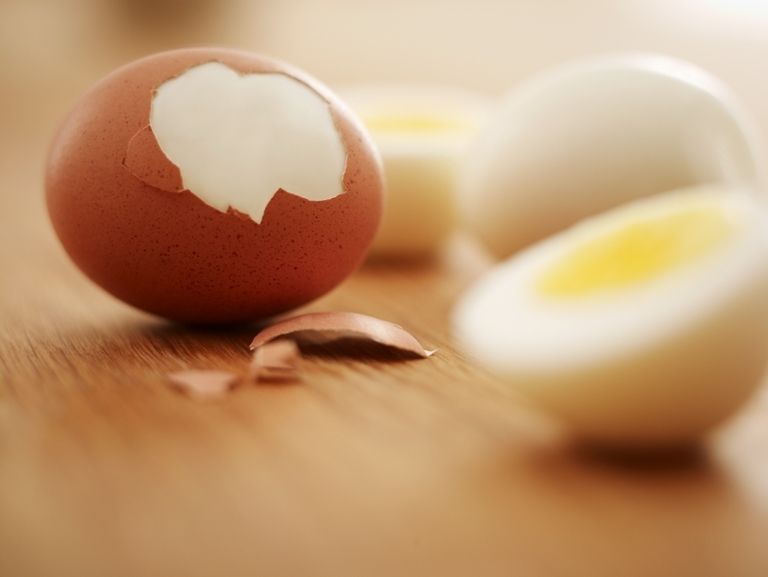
(213, 185)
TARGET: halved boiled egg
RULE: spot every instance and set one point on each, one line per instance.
(645, 325)
(421, 133)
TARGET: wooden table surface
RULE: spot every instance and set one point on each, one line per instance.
(370, 466)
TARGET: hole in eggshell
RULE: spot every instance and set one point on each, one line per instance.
(237, 139)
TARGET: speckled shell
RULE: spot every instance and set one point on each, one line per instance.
(171, 254)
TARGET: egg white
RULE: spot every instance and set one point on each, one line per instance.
(658, 361)
(588, 136)
(421, 133)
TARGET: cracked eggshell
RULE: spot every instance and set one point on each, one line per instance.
(125, 216)
(588, 136)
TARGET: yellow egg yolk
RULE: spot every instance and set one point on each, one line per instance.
(637, 252)
(415, 124)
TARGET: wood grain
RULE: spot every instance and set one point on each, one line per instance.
(371, 466)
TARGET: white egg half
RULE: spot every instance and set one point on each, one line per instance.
(585, 137)
(421, 133)
(645, 325)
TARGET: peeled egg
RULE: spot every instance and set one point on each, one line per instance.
(646, 325)
(421, 133)
(585, 137)
(213, 185)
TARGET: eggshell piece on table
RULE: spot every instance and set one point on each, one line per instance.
(275, 361)
(585, 137)
(330, 326)
(267, 225)
(203, 384)
(645, 326)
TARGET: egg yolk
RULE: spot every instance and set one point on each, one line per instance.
(415, 123)
(636, 252)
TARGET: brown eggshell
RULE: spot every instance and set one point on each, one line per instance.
(119, 208)
(146, 161)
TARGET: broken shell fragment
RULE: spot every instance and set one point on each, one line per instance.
(146, 161)
(329, 326)
(203, 384)
(275, 360)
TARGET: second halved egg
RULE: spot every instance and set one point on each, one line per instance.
(646, 325)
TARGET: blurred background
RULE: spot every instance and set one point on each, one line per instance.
(52, 50)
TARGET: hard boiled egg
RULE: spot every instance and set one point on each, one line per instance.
(585, 137)
(213, 185)
(421, 133)
(646, 325)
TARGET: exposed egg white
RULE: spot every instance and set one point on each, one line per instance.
(239, 138)
(620, 354)
(585, 137)
(422, 133)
